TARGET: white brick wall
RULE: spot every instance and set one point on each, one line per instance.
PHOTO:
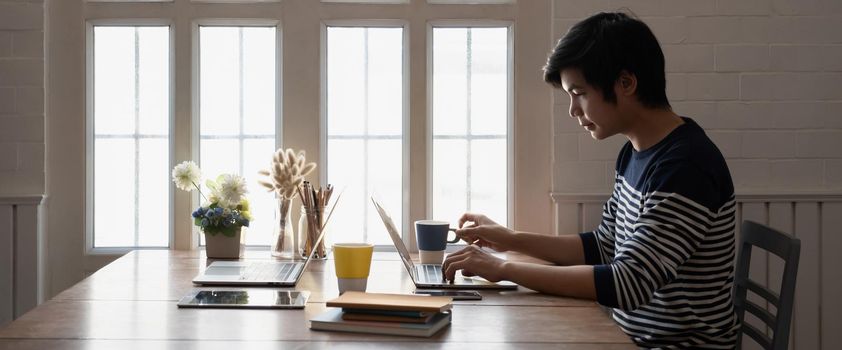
(21, 97)
(689, 58)
(768, 144)
(5, 44)
(713, 86)
(763, 77)
(833, 173)
(742, 58)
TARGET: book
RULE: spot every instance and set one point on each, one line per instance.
(399, 302)
(401, 313)
(331, 320)
(375, 316)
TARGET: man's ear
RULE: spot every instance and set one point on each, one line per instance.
(626, 84)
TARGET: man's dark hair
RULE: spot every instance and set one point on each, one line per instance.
(604, 45)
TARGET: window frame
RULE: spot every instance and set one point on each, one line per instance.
(405, 110)
(510, 35)
(195, 94)
(417, 16)
(89, 228)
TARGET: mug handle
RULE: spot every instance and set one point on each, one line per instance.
(455, 240)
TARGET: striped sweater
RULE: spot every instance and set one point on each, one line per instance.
(663, 254)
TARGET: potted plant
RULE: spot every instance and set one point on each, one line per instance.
(224, 212)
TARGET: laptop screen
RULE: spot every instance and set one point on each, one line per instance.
(396, 238)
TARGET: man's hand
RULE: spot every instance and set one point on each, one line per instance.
(484, 232)
(473, 261)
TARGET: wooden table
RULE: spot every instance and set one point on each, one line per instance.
(131, 303)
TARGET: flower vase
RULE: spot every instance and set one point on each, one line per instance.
(283, 237)
(220, 246)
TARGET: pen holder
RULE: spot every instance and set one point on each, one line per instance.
(310, 225)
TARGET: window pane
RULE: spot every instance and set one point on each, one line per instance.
(115, 209)
(470, 122)
(385, 81)
(450, 81)
(256, 155)
(153, 84)
(488, 81)
(364, 129)
(385, 178)
(218, 156)
(131, 136)
(237, 115)
(346, 51)
(259, 81)
(219, 87)
(114, 77)
(347, 174)
(152, 192)
(450, 183)
(488, 190)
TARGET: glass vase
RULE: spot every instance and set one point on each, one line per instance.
(310, 225)
(284, 241)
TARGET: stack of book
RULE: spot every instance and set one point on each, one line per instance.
(397, 314)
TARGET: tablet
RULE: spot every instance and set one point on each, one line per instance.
(253, 298)
(455, 294)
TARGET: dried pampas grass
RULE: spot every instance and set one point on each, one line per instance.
(286, 172)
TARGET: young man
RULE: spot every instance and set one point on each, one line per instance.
(663, 255)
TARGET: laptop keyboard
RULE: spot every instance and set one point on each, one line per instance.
(269, 271)
(429, 273)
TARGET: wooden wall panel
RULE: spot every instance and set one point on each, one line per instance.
(592, 216)
(26, 264)
(567, 221)
(781, 218)
(831, 276)
(805, 314)
(6, 263)
(756, 212)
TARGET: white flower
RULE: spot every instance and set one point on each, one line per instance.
(229, 189)
(186, 175)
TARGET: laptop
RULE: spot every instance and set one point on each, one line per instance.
(257, 273)
(430, 275)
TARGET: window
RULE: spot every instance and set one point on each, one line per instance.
(130, 141)
(423, 120)
(237, 112)
(470, 122)
(365, 112)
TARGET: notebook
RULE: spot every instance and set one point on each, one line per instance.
(430, 275)
(394, 302)
(254, 272)
(331, 320)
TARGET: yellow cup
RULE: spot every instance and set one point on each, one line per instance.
(352, 262)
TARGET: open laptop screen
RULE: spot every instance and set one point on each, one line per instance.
(396, 238)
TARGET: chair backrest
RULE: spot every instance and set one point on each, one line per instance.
(787, 248)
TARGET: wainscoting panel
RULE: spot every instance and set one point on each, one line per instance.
(20, 250)
(816, 219)
(6, 264)
(831, 275)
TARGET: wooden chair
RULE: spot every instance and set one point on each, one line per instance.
(787, 248)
